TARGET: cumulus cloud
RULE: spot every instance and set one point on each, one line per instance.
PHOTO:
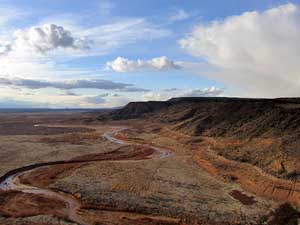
(97, 40)
(174, 92)
(46, 50)
(71, 84)
(257, 51)
(43, 39)
(48, 37)
(123, 65)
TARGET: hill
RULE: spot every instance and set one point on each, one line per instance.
(219, 116)
(265, 131)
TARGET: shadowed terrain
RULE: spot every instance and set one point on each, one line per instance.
(263, 132)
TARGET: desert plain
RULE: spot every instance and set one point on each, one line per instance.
(74, 168)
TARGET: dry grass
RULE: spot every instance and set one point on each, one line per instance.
(72, 138)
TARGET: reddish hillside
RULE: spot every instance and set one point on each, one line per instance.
(267, 130)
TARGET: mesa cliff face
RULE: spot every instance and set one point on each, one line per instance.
(224, 117)
(265, 132)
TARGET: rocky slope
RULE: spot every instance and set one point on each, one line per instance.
(263, 132)
(220, 116)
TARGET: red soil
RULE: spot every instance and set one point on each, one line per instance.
(44, 176)
(31, 204)
(250, 177)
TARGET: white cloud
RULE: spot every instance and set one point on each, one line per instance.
(39, 54)
(47, 38)
(257, 51)
(174, 92)
(35, 52)
(123, 65)
(179, 15)
(114, 33)
(205, 92)
(70, 84)
(10, 98)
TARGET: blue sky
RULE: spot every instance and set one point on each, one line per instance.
(105, 53)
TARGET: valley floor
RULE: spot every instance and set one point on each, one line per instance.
(145, 174)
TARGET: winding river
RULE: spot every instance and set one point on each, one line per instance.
(11, 181)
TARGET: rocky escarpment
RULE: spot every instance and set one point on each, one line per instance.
(219, 116)
(263, 132)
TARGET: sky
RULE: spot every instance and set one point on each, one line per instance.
(106, 53)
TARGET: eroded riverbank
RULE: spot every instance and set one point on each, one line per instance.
(10, 182)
